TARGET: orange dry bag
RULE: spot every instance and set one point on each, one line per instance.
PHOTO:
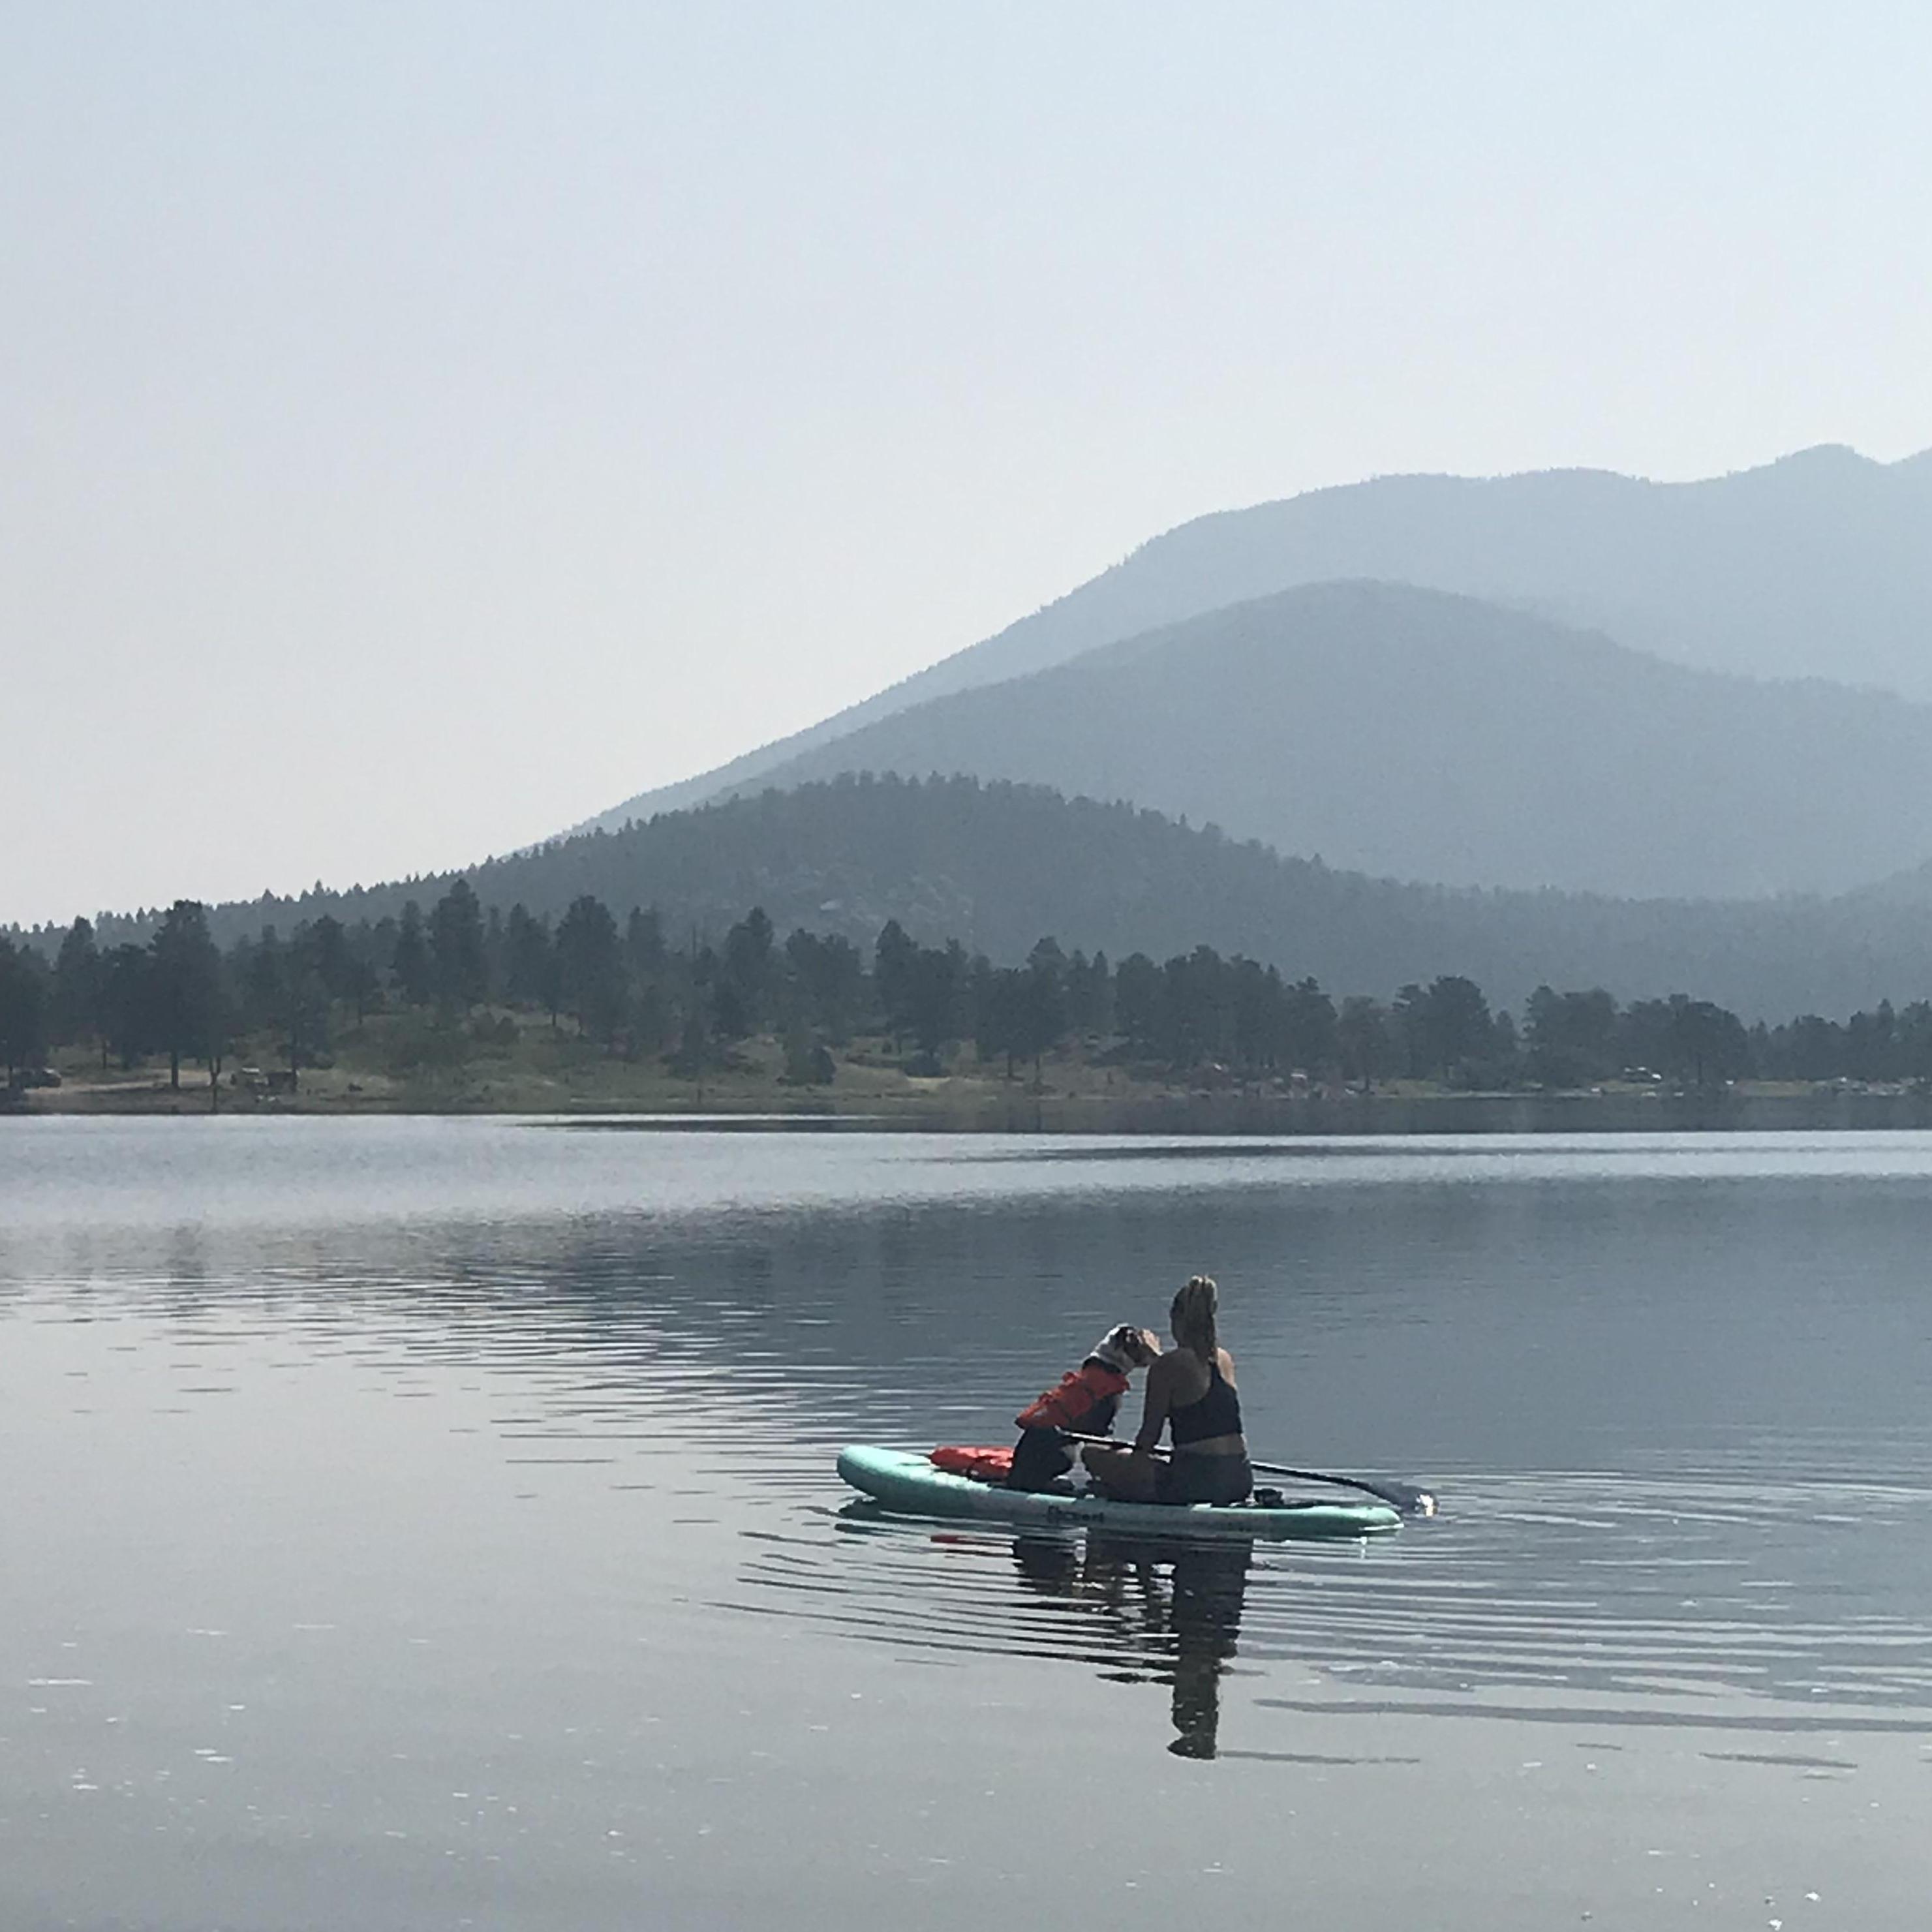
(983, 1465)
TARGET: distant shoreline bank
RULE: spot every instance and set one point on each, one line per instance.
(977, 1111)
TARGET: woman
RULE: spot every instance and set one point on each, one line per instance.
(1191, 1393)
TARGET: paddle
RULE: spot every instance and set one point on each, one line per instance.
(1404, 1496)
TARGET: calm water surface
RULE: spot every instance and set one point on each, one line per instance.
(415, 1524)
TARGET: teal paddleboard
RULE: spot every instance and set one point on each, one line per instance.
(908, 1484)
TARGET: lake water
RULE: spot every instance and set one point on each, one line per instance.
(410, 1524)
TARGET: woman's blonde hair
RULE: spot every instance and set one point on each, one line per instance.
(1193, 1314)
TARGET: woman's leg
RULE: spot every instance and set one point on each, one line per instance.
(1121, 1474)
(1205, 1479)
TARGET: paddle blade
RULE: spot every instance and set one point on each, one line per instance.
(1403, 1496)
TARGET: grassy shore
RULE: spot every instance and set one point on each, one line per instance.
(498, 1064)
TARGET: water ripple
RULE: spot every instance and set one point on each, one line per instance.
(1654, 1601)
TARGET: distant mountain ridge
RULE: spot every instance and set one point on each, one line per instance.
(996, 866)
(1412, 734)
(1819, 565)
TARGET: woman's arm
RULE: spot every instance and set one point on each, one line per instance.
(1153, 1406)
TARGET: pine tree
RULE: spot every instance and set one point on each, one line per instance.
(24, 1004)
(746, 973)
(410, 962)
(892, 964)
(644, 940)
(1362, 1040)
(1137, 1000)
(76, 988)
(191, 1012)
(530, 974)
(590, 967)
(326, 941)
(459, 972)
(127, 1019)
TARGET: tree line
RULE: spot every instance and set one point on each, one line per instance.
(463, 972)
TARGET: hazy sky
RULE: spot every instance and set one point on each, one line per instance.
(424, 425)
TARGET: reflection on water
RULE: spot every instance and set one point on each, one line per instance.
(1137, 1610)
(1179, 1603)
(1619, 1600)
(435, 1522)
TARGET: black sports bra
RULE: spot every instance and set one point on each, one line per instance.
(1217, 1413)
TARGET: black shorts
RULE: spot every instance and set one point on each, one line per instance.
(1204, 1479)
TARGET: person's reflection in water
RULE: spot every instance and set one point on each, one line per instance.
(1211, 1589)
(1181, 1629)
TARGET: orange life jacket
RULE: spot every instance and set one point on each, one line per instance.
(984, 1466)
(1081, 1392)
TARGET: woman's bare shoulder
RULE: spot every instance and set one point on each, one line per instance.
(1226, 1363)
(1182, 1374)
(1161, 1370)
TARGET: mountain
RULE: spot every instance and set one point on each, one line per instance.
(1817, 566)
(997, 865)
(1410, 733)
(1911, 887)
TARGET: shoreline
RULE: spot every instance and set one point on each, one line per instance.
(968, 1107)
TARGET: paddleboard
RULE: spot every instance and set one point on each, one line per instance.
(906, 1482)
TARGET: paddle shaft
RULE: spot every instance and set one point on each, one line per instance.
(1404, 1496)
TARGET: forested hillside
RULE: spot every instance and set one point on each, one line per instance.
(1412, 734)
(997, 866)
(1819, 566)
